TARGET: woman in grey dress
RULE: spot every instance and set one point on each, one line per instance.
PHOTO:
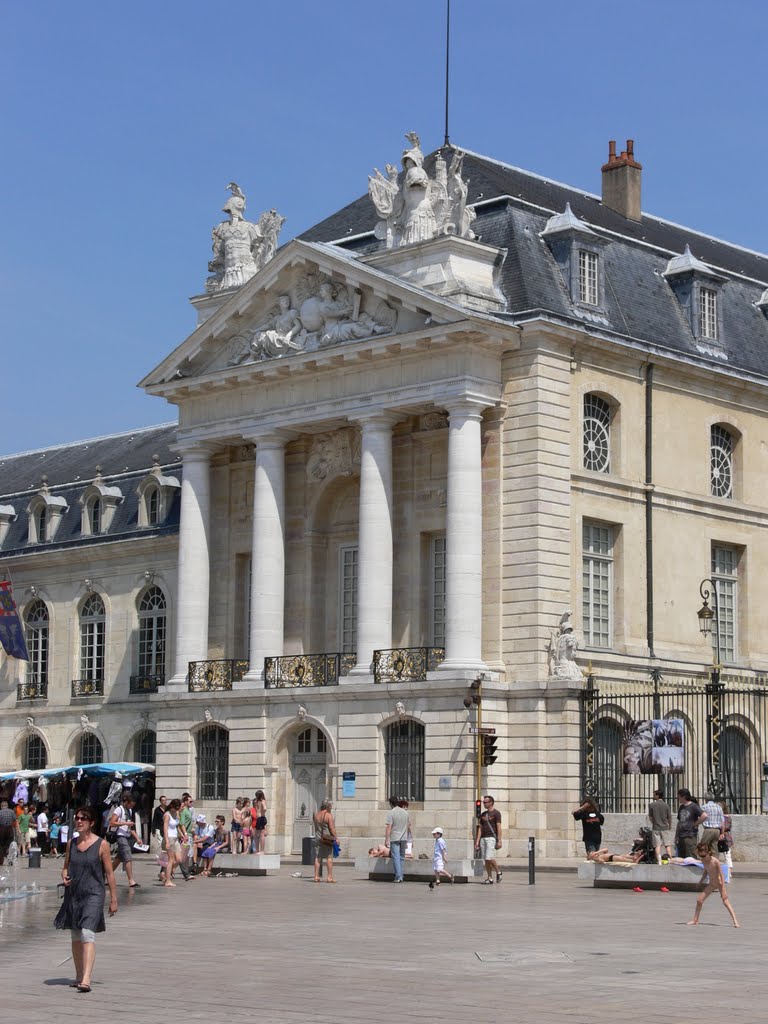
(87, 871)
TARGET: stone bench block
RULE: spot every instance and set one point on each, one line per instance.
(679, 877)
(379, 869)
(248, 863)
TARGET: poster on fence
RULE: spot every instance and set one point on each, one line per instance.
(654, 746)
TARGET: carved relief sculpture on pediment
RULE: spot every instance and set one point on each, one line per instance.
(240, 247)
(414, 207)
(334, 454)
(317, 313)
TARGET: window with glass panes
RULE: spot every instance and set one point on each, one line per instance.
(724, 576)
(597, 434)
(145, 747)
(588, 290)
(152, 632)
(597, 574)
(437, 594)
(42, 525)
(404, 759)
(36, 628)
(95, 516)
(92, 636)
(708, 313)
(153, 506)
(348, 609)
(212, 763)
(721, 462)
(90, 750)
(35, 755)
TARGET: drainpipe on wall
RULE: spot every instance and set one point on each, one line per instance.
(649, 507)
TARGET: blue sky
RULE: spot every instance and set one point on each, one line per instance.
(123, 124)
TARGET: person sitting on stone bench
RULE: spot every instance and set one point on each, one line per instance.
(380, 850)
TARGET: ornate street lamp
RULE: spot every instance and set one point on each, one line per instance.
(708, 617)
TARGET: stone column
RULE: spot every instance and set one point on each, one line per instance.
(464, 541)
(374, 558)
(194, 563)
(267, 555)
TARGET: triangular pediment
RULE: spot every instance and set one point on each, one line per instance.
(310, 297)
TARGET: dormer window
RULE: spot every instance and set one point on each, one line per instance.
(156, 493)
(95, 516)
(708, 313)
(45, 512)
(7, 516)
(98, 503)
(576, 249)
(42, 525)
(697, 288)
(588, 282)
(152, 498)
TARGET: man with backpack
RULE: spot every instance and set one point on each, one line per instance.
(123, 824)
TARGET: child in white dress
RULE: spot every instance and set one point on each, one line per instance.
(438, 857)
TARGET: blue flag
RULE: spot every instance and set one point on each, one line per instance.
(11, 630)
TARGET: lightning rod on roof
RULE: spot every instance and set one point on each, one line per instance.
(447, 141)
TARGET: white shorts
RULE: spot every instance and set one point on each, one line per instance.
(488, 848)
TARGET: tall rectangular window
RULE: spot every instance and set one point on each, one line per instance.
(725, 577)
(588, 291)
(348, 602)
(437, 592)
(597, 584)
(708, 313)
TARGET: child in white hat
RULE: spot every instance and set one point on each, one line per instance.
(438, 857)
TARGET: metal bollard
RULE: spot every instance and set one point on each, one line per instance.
(531, 860)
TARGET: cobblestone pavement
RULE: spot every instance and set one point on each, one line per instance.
(282, 949)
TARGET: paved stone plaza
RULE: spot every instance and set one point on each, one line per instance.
(282, 949)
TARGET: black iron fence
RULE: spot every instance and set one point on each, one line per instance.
(307, 669)
(724, 740)
(87, 687)
(406, 664)
(218, 674)
(32, 690)
(146, 684)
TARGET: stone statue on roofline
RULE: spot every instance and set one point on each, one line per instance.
(563, 644)
(240, 247)
(414, 207)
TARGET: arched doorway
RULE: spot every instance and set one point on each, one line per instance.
(309, 774)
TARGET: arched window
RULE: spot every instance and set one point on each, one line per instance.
(212, 763)
(404, 759)
(37, 623)
(597, 434)
(145, 747)
(608, 740)
(735, 765)
(35, 756)
(152, 498)
(94, 516)
(42, 524)
(311, 741)
(90, 750)
(721, 462)
(92, 639)
(152, 632)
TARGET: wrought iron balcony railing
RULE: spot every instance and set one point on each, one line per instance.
(87, 687)
(307, 669)
(32, 690)
(215, 675)
(146, 684)
(406, 664)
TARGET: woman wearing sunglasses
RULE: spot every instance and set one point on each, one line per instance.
(86, 873)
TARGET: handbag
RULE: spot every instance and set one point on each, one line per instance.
(722, 845)
(336, 848)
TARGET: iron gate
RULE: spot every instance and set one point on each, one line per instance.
(726, 733)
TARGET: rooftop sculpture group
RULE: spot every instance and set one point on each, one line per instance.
(240, 247)
(414, 207)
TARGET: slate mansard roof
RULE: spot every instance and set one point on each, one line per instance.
(513, 207)
(125, 459)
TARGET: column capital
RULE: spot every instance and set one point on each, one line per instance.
(191, 451)
(270, 438)
(380, 419)
(466, 406)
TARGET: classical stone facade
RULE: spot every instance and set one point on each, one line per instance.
(407, 449)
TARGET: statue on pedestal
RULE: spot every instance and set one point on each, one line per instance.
(414, 207)
(240, 247)
(563, 645)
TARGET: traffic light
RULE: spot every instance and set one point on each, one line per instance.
(489, 750)
(478, 808)
(474, 695)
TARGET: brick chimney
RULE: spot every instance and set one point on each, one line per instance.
(621, 181)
